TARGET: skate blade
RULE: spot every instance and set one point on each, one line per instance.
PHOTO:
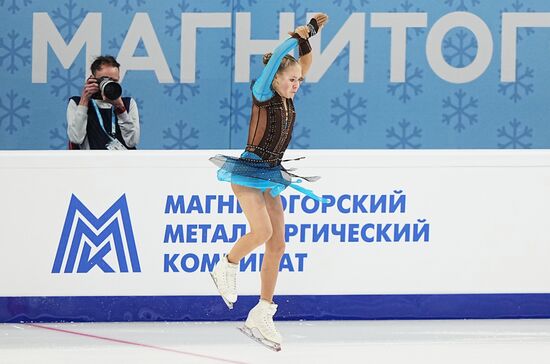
(228, 303)
(264, 342)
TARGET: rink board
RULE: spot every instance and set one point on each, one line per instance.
(99, 236)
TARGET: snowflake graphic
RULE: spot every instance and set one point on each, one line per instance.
(407, 7)
(515, 136)
(403, 137)
(59, 138)
(15, 52)
(13, 7)
(521, 85)
(237, 4)
(299, 139)
(350, 7)
(236, 110)
(460, 111)
(181, 138)
(117, 42)
(349, 111)
(68, 23)
(461, 4)
(463, 52)
(65, 81)
(409, 84)
(127, 4)
(521, 32)
(301, 14)
(13, 111)
(174, 16)
(305, 89)
(182, 90)
(228, 45)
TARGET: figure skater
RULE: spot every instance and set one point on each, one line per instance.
(257, 178)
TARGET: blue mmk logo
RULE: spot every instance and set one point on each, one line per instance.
(87, 241)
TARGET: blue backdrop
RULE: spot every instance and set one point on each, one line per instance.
(425, 111)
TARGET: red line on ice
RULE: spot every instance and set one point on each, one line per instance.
(134, 343)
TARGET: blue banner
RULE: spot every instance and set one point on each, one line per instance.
(320, 307)
(387, 74)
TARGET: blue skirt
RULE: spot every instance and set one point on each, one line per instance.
(251, 171)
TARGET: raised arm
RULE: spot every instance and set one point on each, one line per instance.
(262, 87)
(303, 33)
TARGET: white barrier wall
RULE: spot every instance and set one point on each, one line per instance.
(398, 223)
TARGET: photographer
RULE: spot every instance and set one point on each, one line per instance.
(101, 118)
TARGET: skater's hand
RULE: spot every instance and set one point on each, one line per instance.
(321, 19)
(301, 31)
(312, 28)
(316, 23)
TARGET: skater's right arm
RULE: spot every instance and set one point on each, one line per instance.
(262, 90)
(262, 87)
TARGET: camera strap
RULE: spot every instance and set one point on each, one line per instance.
(100, 119)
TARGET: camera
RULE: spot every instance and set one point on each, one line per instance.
(108, 88)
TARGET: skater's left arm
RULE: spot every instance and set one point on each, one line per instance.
(303, 33)
(304, 48)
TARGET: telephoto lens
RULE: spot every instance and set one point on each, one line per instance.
(109, 88)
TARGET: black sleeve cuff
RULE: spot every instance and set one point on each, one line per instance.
(303, 47)
(313, 27)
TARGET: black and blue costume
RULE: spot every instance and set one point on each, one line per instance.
(270, 131)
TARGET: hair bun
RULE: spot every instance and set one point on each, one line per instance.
(267, 57)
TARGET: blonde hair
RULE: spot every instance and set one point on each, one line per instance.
(286, 62)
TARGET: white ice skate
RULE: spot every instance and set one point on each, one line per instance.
(225, 279)
(259, 326)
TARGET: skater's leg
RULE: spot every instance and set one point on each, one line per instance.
(274, 247)
(254, 207)
(225, 272)
(259, 323)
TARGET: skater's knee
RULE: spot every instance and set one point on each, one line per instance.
(262, 234)
(275, 247)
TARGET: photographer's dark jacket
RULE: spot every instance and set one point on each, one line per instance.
(83, 125)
